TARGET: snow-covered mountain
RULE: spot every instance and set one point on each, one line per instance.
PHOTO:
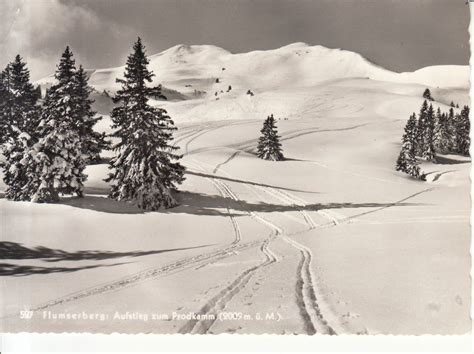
(205, 82)
(194, 69)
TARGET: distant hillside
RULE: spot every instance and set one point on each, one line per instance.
(190, 70)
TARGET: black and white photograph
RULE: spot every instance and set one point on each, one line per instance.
(285, 167)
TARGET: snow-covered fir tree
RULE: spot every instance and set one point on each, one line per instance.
(146, 170)
(451, 123)
(92, 142)
(23, 109)
(407, 161)
(428, 151)
(4, 106)
(55, 161)
(463, 126)
(22, 116)
(269, 147)
(17, 168)
(421, 129)
(442, 133)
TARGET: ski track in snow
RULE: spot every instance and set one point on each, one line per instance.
(306, 293)
(230, 158)
(166, 270)
(198, 132)
(299, 203)
(250, 144)
(186, 135)
(306, 298)
(290, 200)
(210, 311)
(235, 225)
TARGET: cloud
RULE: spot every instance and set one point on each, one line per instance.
(40, 29)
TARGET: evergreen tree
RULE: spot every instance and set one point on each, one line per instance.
(421, 128)
(5, 97)
(269, 147)
(451, 123)
(463, 126)
(145, 170)
(442, 135)
(17, 168)
(427, 95)
(55, 160)
(92, 142)
(437, 119)
(428, 135)
(24, 112)
(21, 116)
(406, 161)
(452, 104)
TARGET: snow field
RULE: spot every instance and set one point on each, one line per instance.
(333, 239)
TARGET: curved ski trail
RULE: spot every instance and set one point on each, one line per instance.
(306, 291)
(209, 313)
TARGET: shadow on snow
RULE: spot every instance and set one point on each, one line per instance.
(102, 204)
(202, 204)
(211, 205)
(16, 270)
(205, 175)
(14, 250)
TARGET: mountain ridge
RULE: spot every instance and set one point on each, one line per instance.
(198, 67)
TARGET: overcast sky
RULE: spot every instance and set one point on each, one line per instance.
(401, 35)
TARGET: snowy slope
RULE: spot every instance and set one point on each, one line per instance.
(331, 239)
(204, 82)
(380, 252)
